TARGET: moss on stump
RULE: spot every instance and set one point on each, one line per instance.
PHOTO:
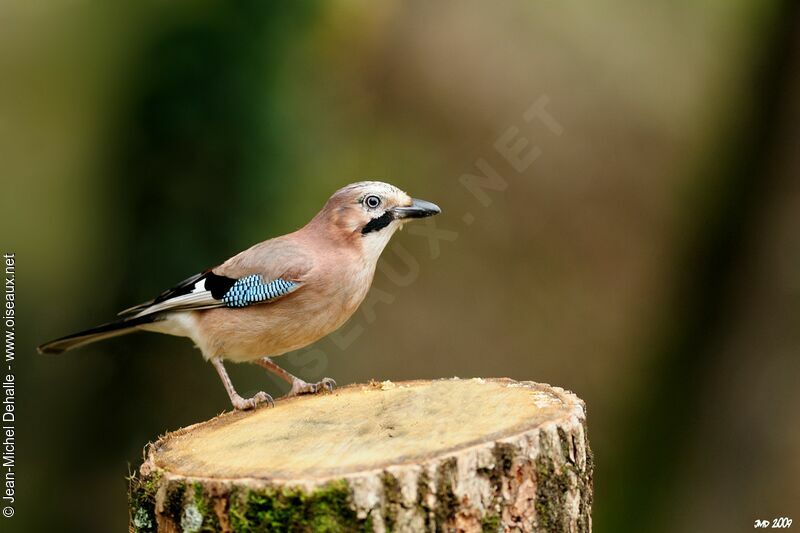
(446, 455)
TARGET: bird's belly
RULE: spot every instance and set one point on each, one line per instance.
(272, 329)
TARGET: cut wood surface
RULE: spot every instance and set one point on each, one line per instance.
(446, 455)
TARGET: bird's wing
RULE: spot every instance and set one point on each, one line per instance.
(260, 274)
(209, 290)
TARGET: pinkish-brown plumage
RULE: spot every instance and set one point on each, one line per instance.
(333, 282)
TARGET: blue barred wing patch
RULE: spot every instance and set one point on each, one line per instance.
(252, 290)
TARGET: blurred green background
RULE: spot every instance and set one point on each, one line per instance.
(648, 258)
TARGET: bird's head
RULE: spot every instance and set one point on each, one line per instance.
(371, 211)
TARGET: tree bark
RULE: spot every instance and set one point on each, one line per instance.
(446, 455)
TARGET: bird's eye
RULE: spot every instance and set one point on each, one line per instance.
(372, 201)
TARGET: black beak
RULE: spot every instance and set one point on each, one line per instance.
(417, 209)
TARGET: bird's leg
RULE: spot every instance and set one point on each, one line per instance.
(298, 385)
(238, 402)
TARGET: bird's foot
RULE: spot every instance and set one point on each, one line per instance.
(301, 387)
(245, 404)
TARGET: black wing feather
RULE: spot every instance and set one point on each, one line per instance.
(216, 284)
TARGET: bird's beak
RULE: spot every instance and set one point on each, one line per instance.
(417, 209)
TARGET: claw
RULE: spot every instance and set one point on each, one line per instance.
(245, 404)
(328, 383)
(301, 387)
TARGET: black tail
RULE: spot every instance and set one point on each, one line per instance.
(104, 331)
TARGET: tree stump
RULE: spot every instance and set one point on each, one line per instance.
(446, 455)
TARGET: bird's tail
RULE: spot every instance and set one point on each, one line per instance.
(104, 331)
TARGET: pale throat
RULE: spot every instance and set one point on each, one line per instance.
(372, 244)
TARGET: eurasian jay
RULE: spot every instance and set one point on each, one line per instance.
(279, 295)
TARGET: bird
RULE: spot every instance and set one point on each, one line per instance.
(279, 295)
